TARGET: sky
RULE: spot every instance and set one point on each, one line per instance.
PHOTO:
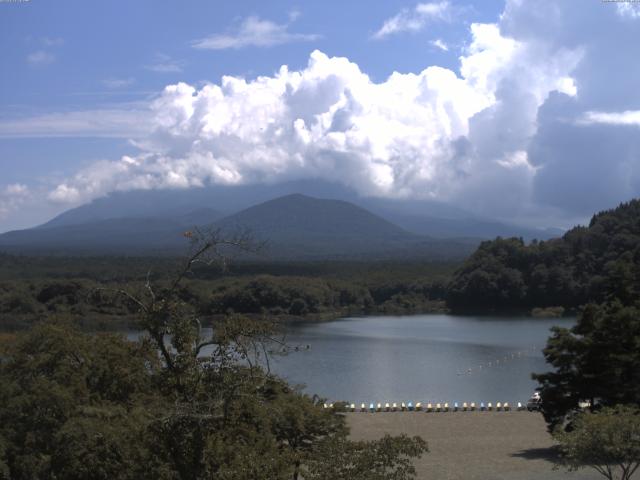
(523, 111)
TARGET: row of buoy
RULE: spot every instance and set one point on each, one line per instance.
(431, 407)
(287, 348)
(497, 362)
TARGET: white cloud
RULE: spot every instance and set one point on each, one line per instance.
(516, 159)
(439, 44)
(126, 121)
(115, 83)
(629, 117)
(16, 190)
(400, 137)
(526, 128)
(44, 56)
(413, 20)
(11, 197)
(294, 15)
(163, 63)
(628, 9)
(40, 58)
(437, 10)
(65, 194)
(52, 41)
(254, 32)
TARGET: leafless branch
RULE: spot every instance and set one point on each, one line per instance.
(125, 294)
(149, 287)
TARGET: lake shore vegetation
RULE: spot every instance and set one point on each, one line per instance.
(86, 406)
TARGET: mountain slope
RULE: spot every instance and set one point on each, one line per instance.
(424, 217)
(468, 227)
(300, 214)
(302, 227)
(134, 235)
(158, 203)
(294, 227)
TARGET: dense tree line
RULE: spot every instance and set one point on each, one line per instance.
(89, 302)
(301, 296)
(588, 264)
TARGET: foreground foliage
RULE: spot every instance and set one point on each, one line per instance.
(607, 441)
(76, 406)
(597, 361)
(176, 404)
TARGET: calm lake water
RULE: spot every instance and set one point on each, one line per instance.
(428, 358)
(420, 358)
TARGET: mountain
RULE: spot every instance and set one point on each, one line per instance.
(468, 227)
(299, 226)
(152, 221)
(176, 202)
(293, 227)
(301, 215)
(135, 235)
(424, 217)
(440, 220)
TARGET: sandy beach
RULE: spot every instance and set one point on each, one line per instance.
(473, 445)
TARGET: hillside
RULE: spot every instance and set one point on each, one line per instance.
(134, 235)
(423, 217)
(301, 227)
(293, 227)
(594, 263)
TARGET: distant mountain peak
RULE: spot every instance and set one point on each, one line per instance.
(318, 218)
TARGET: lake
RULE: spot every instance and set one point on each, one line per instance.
(427, 358)
(419, 358)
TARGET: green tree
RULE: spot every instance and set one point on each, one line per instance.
(387, 458)
(64, 393)
(597, 360)
(176, 404)
(607, 441)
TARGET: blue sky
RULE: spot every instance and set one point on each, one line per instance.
(84, 110)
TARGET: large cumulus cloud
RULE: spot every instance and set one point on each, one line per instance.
(518, 132)
(586, 149)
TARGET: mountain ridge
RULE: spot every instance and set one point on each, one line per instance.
(423, 217)
(294, 226)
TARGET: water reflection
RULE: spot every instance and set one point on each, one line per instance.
(427, 358)
(419, 358)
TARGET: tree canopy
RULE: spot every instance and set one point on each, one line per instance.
(98, 406)
(597, 361)
(607, 441)
(588, 264)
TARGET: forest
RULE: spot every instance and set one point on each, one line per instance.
(81, 289)
(595, 263)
